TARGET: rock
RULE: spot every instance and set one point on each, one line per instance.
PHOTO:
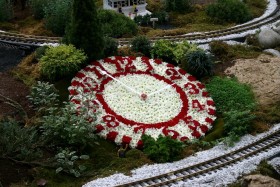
(277, 29)
(273, 52)
(262, 74)
(268, 38)
(260, 181)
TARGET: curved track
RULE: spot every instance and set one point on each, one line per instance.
(31, 41)
(270, 141)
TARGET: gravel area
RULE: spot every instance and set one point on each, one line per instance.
(9, 58)
(221, 177)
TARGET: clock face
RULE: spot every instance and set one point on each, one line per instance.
(127, 97)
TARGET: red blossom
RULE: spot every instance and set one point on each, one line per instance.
(157, 61)
(209, 120)
(196, 134)
(191, 78)
(204, 128)
(184, 138)
(210, 103)
(126, 139)
(205, 94)
(211, 111)
(112, 135)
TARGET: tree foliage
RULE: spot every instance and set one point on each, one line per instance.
(229, 11)
(85, 31)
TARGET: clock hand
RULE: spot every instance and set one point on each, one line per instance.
(127, 87)
(153, 93)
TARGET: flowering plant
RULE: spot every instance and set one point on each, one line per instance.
(135, 96)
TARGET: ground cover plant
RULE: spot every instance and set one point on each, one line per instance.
(62, 146)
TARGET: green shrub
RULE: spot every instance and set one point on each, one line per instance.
(198, 63)
(43, 96)
(18, 142)
(63, 127)
(111, 47)
(163, 49)
(141, 44)
(238, 123)
(229, 11)
(37, 8)
(57, 15)
(228, 94)
(225, 52)
(68, 161)
(181, 49)
(116, 25)
(40, 52)
(164, 149)
(178, 5)
(6, 10)
(172, 52)
(61, 61)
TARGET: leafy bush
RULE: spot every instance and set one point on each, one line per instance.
(238, 122)
(229, 94)
(171, 52)
(163, 49)
(61, 61)
(141, 44)
(18, 142)
(67, 161)
(181, 49)
(57, 15)
(6, 10)
(37, 8)
(229, 11)
(164, 149)
(111, 47)
(198, 63)
(178, 5)
(62, 126)
(145, 20)
(43, 96)
(116, 25)
(225, 52)
(40, 52)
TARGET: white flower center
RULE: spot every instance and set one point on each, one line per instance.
(159, 107)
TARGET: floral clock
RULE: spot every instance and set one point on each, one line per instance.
(132, 96)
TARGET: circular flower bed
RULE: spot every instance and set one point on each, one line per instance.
(128, 97)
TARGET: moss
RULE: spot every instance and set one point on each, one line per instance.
(28, 70)
(216, 132)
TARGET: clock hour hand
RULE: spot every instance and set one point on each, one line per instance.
(127, 87)
(160, 90)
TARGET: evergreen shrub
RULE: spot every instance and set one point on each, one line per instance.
(141, 44)
(57, 15)
(6, 10)
(164, 149)
(116, 25)
(110, 47)
(37, 8)
(180, 6)
(198, 63)
(229, 11)
(61, 61)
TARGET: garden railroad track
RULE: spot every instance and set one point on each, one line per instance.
(270, 141)
(31, 41)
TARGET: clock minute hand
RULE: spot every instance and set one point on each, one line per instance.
(153, 93)
(127, 87)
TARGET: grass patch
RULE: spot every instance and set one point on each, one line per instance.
(225, 52)
(216, 132)
(28, 70)
(256, 7)
(228, 94)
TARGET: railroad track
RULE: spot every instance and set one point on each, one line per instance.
(270, 141)
(31, 41)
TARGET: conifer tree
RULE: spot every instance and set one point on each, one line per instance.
(84, 30)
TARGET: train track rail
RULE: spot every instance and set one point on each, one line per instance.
(172, 178)
(31, 41)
